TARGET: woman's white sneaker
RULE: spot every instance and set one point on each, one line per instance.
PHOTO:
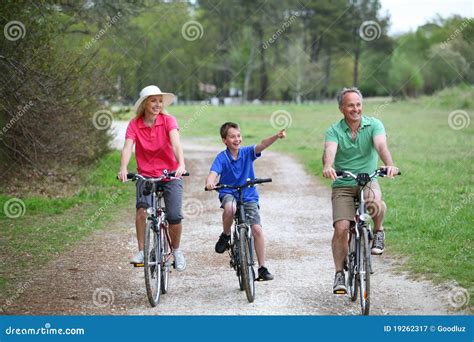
(179, 260)
(138, 258)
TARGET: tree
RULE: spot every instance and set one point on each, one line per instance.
(48, 96)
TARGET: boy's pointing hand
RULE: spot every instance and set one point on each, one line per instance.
(281, 134)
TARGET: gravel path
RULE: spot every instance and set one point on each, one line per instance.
(95, 278)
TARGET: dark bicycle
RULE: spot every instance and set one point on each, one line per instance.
(158, 252)
(241, 249)
(358, 261)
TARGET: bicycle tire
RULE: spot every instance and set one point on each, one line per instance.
(151, 266)
(364, 272)
(352, 280)
(246, 267)
(235, 255)
(165, 260)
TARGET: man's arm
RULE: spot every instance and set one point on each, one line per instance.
(380, 144)
(268, 141)
(178, 151)
(329, 155)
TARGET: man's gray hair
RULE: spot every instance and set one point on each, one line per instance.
(344, 91)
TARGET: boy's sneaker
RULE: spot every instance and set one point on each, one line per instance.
(138, 258)
(339, 283)
(223, 243)
(179, 260)
(378, 244)
(263, 274)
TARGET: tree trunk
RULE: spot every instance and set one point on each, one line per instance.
(248, 73)
(356, 64)
(263, 65)
(315, 48)
(327, 72)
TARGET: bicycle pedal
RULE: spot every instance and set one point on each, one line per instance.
(340, 292)
(138, 265)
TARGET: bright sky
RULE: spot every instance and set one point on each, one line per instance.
(406, 15)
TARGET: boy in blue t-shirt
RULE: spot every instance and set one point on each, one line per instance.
(234, 165)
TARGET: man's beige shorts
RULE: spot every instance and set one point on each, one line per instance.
(342, 198)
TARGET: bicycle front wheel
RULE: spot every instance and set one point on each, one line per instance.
(165, 259)
(236, 261)
(352, 279)
(246, 265)
(364, 272)
(152, 264)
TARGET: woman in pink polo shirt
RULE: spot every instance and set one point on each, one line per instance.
(155, 134)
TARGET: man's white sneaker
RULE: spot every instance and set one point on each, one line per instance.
(179, 261)
(138, 258)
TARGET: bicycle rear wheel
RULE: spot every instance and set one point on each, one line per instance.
(364, 272)
(152, 264)
(246, 265)
(165, 259)
(352, 279)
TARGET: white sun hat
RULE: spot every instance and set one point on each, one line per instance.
(153, 90)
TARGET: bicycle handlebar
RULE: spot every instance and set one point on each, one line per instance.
(382, 172)
(249, 183)
(166, 175)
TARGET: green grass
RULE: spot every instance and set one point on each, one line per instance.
(430, 207)
(50, 225)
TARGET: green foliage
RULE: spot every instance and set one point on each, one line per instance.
(446, 66)
(459, 97)
(405, 74)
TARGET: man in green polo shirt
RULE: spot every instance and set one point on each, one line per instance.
(354, 144)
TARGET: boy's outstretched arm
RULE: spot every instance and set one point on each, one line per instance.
(270, 140)
(211, 180)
